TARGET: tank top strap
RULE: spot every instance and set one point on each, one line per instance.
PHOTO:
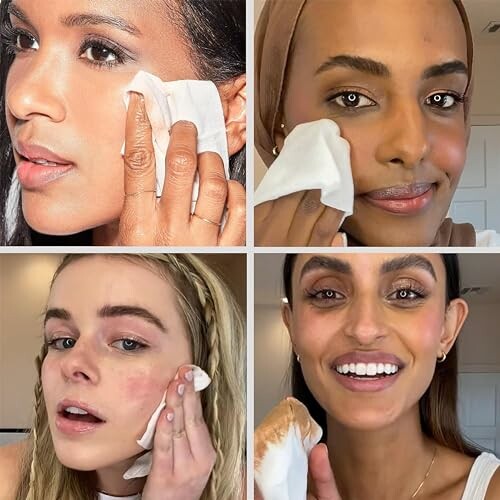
(480, 476)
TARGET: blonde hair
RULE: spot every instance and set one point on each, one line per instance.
(216, 329)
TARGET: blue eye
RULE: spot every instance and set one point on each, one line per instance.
(62, 343)
(128, 345)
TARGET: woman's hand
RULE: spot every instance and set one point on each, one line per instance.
(320, 472)
(147, 221)
(183, 454)
(299, 220)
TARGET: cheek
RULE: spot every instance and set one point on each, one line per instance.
(448, 151)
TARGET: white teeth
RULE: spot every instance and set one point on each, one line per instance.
(367, 369)
(45, 163)
(76, 411)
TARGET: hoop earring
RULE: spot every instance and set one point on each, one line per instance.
(275, 151)
(298, 358)
(442, 359)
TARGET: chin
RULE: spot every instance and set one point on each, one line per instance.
(367, 418)
(63, 219)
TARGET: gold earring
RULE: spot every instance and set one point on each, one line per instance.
(298, 358)
(275, 151)
(442, 358)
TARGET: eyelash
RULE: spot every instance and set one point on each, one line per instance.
(54, 343)
(10, 35)
(459, 99)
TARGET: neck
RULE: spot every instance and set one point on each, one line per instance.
(106, 235)
(386, 464)
(110, 480)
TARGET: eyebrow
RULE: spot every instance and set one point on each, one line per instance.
(363, 64)
(408, 261)
(448, 68)
(109, 311)
(329, 263)
(97, 19)
(82, 20)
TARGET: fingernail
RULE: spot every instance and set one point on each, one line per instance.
(170, 416)
(180, 389)
(189, 376)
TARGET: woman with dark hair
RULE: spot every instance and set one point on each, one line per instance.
(63, 76)
(375, 362)
(396, 78)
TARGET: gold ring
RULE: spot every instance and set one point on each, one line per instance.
(141, 192)
(218, 224)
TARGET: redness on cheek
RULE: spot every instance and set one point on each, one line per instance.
(143, 389)
(449, 155)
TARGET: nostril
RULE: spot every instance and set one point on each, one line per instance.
(397, 161)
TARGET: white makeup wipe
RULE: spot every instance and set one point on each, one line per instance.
(283, 442)
(314, 156)
(142, 466)
(166, 103)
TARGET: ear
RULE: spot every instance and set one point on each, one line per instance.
(456, 314)
(286, 316)
(234, 103)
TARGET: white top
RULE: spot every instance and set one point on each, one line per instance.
(488, 238)
(480, 476)
(103, 496)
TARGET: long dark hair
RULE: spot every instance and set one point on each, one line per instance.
(215, 32)
(438, 405)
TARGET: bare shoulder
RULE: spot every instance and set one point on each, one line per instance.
(493, 492)
(10, 463)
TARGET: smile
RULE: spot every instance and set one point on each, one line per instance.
(367, 369)
(407, 199)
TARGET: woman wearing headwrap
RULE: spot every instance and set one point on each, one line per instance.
(396, 77)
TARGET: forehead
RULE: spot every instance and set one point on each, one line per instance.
(91, 282)
(396, 32)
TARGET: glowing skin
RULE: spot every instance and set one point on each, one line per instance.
(405, 128)
(367, 309)
(60, 98)
(95, 367)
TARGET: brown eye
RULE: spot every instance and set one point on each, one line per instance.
(353, 100)
(100, 53)
(443, 101)
(26, 42)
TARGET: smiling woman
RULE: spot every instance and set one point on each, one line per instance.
(395, 76)
(375, 362)
(129, 343)
(64, 74)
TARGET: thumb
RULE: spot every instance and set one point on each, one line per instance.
(322, 475)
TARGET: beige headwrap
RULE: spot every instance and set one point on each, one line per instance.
(273, 40)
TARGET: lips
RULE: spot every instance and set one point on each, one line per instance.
(39, 166)
(407, 199)
(76, 417)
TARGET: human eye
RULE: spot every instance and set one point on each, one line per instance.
(102, 52)
(407, 294)
(324, 296)
(61, 343)
(444, 100)
(17, 40)
(128, 344)
(351, 100)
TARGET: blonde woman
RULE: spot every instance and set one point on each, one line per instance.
(119, 331)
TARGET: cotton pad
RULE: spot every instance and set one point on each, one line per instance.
(166, 103)
(314, 156)
(283, 442)
(142, 466)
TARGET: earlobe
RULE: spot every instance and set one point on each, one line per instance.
(234, 103)
(456, 314)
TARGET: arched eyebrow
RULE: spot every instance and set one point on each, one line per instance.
(82, 20)
(97, 19)
(448, 68)
(363, 64)
(406, 262)
(109, 311)
(323, 262)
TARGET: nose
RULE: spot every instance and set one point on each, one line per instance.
(404, 136)
(35, 88)
(365, 321)
(78, 364)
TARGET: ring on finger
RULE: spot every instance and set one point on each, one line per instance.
(137, 193)
(218, 224)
